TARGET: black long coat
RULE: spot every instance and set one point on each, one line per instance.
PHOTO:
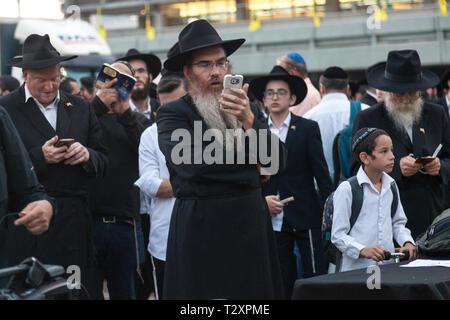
(18, 182)
(68, 240)
(221, 244)
(422, 195)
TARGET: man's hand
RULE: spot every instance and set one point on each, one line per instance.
(375, 253)
(408, 166)
(108, 94)
(238, 104)
(275, 207)
(51, 153)
(36, 217)
(411, 249)
(433, 167)
(76, 154)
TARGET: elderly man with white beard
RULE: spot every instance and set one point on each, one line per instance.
(417, 128)
(220, 244)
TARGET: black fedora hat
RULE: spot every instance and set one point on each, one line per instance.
(38, 53)
(402, 72)
(152, 61)
(444, 79)
(197, 35)
(296, 84)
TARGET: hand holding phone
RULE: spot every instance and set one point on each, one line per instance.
(232, 81)
(64, 142)
(287, 200)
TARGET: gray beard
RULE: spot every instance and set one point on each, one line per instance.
(403, 115)
(208, 106)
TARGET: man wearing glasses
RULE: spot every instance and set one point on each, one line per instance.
(220, 244)
(300, 221)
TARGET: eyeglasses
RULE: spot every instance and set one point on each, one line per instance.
(208, 66)
(280, 93)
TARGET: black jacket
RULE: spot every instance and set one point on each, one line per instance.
(18, 182)
(115, 194)
(305, 162)
(368, 99)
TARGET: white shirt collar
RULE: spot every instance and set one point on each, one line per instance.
(333, 96)
(28, 95)
(386, 180)
(373, 95)
(134, 108)
(285, 123)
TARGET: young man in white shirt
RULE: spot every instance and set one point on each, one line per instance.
(371, 236)
(154, 181)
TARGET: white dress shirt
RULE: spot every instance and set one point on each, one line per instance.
(50, 112)
(281, 133)
(152, 171)
(332, 114)
(374, 225)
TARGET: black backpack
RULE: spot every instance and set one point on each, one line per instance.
(435, 242)
(331, 252)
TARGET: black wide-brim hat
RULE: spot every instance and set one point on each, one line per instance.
(38, 53)
(197, 35)
(297, 85)
(444, 79)
(402, 72)
(152, 61)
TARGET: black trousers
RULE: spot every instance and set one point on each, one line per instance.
(313, 261)
(159, 270)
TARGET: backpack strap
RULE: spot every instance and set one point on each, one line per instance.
(355, 107)
(394, 204)
(357, 200)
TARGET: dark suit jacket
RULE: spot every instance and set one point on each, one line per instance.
(421, 194)
(305, 162)
(368, 99)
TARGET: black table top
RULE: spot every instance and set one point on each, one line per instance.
(395, 283)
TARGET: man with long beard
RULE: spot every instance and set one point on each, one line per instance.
(417, 128)
(221, 244)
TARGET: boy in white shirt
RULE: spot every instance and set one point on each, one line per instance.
(373, 232)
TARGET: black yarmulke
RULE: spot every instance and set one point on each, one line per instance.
(335, 73)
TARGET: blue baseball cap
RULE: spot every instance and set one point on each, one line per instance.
(296, 57)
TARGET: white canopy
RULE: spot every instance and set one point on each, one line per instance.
(69, 37)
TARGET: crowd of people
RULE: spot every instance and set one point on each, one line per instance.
(134, 202)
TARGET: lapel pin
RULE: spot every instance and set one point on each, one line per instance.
(422, 130)
(68, 104)
(293, 127)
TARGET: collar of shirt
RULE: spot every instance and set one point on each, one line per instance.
(334, 96)
(134, 108)
(386, 181)
(373, 95)
(284, 127)
(28, 95)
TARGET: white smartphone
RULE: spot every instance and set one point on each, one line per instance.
(232, 81)
(287, 200)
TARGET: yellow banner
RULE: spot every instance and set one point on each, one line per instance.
(101, 30)
(255, 23)
(443, 5)
(148, 27)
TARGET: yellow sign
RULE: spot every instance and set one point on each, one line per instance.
(101, 30)
(443, 5)
(255, 23)
(148, 27)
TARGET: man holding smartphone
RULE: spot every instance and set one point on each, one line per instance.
(299, 221)
(42, 114)
(220, 243)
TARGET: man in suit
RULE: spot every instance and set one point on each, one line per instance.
(416, 128)
(299, 221)
(43, 114)
(220, 243)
